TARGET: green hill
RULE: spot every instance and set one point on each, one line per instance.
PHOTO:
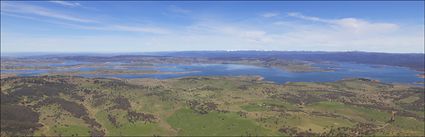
(233, 106)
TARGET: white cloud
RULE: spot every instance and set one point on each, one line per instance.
(126, 28)
(238, 32)
(351, 24)
(359, 25)
(341, 34)
(281, 23)
(345, 34)
(139, 29)
(100, 27)
(66, 3)
(270, 14)
(224, 36)
(19, 8)
(27, 12)
(301, 16)
(259, 36)
(332, 40)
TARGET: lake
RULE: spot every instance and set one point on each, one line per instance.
(342, 70)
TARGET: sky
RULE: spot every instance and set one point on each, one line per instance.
(134, 26)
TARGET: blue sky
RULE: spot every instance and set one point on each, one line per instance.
(90, 26)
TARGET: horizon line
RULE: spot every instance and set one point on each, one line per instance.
(123, 53)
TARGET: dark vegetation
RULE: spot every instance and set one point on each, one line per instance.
(202, 107)
(18, 120)
(113, 120)
(136, 116)
(45, 91)
(301, 99)
(77, 110)
(292, 131)
(361, 129)
(121, 103)
(115, 84)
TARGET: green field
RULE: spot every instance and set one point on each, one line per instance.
(189, 123)
(197, 106)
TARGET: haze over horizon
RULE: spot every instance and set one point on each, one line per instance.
(171, 51)
(117, 27)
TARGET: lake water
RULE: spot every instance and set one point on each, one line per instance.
(387, 74)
